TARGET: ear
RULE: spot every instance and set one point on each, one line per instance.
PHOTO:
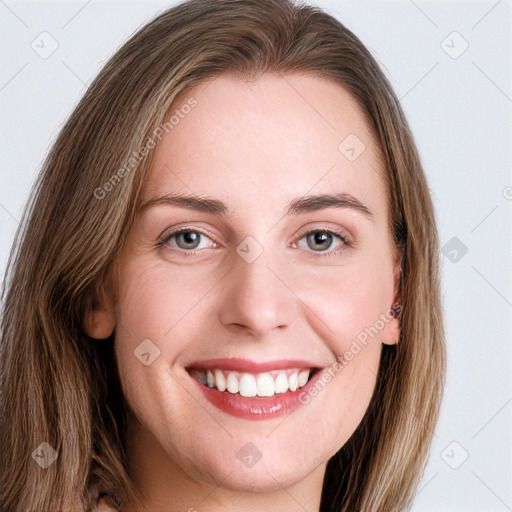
(98, 316)
(391, 332)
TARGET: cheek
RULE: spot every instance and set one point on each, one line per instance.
(349, 300)
(153, 301)
(158, 312)
(149, 306)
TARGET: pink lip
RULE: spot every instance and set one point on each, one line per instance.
(249, 366)
(257, 408)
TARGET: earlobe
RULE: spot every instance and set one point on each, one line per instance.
(391, 333)
(98, 315)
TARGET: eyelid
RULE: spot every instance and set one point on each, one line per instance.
(344, 236)
(168, 234)
(341, 234)
(320, 255)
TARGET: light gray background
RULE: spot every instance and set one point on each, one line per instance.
(460, 108)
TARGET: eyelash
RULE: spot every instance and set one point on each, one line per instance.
(325, 254)
(322, 254)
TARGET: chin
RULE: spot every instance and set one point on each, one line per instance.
(253, 464)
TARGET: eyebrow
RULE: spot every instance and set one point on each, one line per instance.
(297, 206)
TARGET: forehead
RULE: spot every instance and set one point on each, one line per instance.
(267, 140)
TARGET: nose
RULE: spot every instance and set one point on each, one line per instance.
(256, 298)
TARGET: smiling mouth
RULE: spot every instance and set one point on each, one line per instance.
(253, 385)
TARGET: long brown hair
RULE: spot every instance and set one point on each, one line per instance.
(61, 387)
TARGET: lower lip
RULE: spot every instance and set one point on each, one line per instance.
(257, 408)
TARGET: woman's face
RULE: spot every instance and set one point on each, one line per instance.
(246, 281)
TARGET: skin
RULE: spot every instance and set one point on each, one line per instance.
(255, 145)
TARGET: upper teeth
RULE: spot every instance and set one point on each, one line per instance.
(249, 385)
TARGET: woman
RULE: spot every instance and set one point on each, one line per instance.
(225, 292)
